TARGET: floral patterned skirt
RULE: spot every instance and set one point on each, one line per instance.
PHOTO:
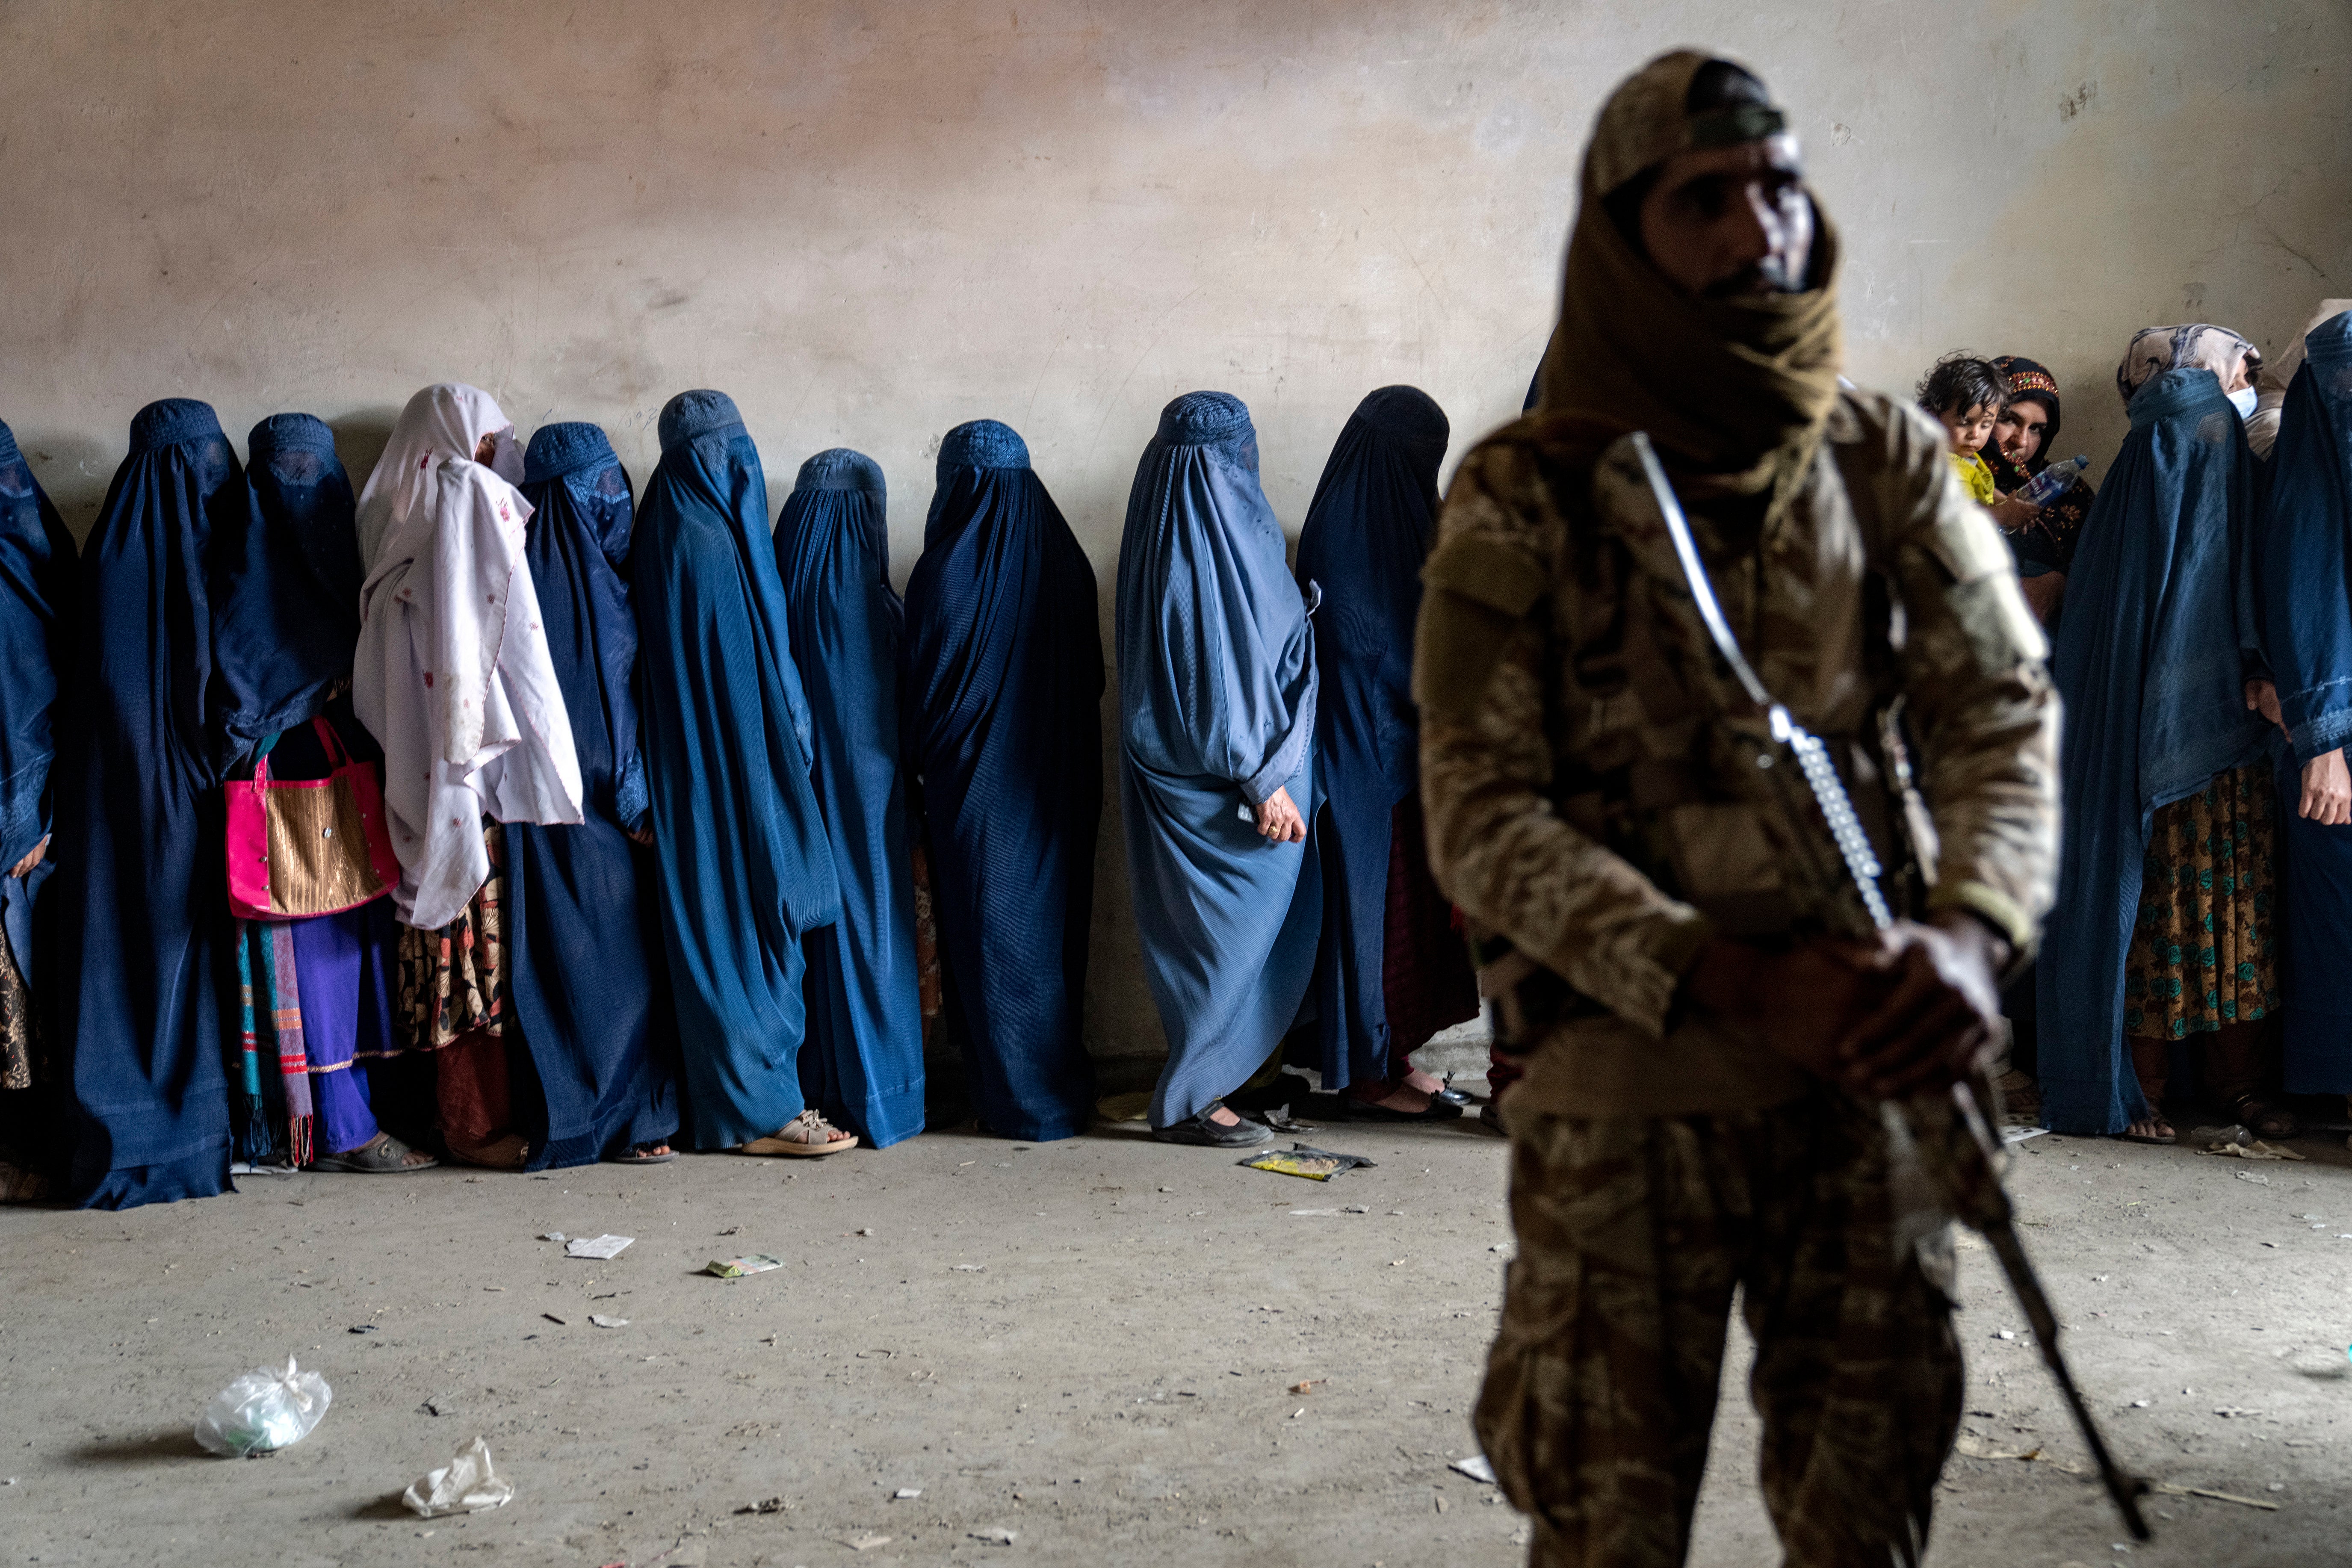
(19, 1039)
(2204, 953)
(453, 981)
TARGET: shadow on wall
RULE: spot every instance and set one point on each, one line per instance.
(360, 440)
(74, 469)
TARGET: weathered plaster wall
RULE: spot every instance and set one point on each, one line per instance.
(871, 222)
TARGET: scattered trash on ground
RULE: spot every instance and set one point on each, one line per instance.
(732, 1230)
(866, 1542)
(552, 1318)
(552, 1236)
(439, 1404)
(262, 1411)
(602, 1321)
(971, 1268)
(995, 1535)
(1355, 1208)
(2020, 1134)
(1314, 1213)
(1305, 1385)
(736, 1268)
(1281, 1121)
(905, 1494)
(2205, 1137)
(766, 1505)
(1301, 1160)
(1476, 1466)
(2254, 1149)
(467, 1484)
(598, 1247)
(363, 1329)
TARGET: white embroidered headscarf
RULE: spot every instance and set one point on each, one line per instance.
(2197, 344)
(452, 675)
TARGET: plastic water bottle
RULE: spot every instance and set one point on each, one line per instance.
(2052, 481)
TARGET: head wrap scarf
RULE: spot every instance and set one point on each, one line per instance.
(2271, 386)
(452, 675)
(1004, 720)
(1734, 392)
(863, 1059)
(1367, 532)
(745, 867)
(139, 907)
(2197, 346)
(286, 600)
(2049, 540)
(1216, 695)
(582, 942)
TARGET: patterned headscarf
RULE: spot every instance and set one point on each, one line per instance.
(2155, 350)
(2029, 380)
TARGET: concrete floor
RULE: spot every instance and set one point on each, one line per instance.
(1090, 1344)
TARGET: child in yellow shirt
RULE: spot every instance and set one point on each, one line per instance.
(1966, 394)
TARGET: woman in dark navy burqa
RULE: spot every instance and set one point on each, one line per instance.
(1391, 970)
(1003, 718)
(585, 974)
(37, 597)
(131, 975)
(746, 872)
(863, 1059)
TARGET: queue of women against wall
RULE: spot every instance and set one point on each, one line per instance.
(654, 817)
(628, 820)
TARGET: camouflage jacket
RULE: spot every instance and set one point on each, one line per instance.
(1582, 795)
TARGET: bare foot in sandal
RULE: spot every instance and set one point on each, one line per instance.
(2152, 1128)
(807, 1134)
(382, 1155)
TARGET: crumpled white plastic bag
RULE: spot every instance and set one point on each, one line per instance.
(466, 1484)
(262, 1411)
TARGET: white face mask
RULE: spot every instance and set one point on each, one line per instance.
(2242, 400)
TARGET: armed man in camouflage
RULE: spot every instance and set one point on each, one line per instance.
(1700, 1058)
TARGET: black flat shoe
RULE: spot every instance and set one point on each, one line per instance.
(1198, 1128)
(1439, 1109)
(1446, 1091)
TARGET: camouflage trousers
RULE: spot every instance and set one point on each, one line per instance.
(1635, 1233)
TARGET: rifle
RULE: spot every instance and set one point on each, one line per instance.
(1944, 1137)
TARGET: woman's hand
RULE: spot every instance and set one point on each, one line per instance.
(1278, 821)
(2009, 514)
(2327, 790)
(33, 855)
(2261, 697)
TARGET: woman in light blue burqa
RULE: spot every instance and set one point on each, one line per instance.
(745, 869)
(864, 1061)
(1216, 679)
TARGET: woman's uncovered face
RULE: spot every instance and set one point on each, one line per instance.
(2018, 432)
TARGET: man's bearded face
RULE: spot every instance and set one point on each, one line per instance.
(1722, 221)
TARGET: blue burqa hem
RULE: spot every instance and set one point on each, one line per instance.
(863, 1064)
(2150, 667)
(1217, 693)
(1004, 719)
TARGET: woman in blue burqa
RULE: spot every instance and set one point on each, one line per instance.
(1004, 681)
(1391, 970)
(2306, 584)
(746, 872)
(1216, 689)
(863, 1059)
(315, 994)
(163, 698)
(37, 598)
(584, 967)
(2164, 934)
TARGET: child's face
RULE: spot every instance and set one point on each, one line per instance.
(1968, 428)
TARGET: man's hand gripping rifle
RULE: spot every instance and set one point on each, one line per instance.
(1946, 1133)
